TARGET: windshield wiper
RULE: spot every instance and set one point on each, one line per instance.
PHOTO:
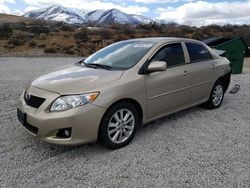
(99, 65)
(86, 64)
(94, 65)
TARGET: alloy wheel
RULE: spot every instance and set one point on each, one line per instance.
(121, 126)
(217, 95)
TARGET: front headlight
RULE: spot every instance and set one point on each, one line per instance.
(72, 101)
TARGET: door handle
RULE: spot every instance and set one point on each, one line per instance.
(186, 73)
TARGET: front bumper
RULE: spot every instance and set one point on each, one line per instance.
(84, 120)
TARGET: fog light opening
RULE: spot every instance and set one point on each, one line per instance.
(64, 133)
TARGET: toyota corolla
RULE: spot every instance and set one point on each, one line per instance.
(106, 96)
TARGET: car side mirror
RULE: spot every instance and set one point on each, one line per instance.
(157, 66)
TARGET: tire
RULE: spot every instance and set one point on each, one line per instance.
(116, 132)
(216, 96)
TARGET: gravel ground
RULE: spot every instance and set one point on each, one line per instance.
(193, 148)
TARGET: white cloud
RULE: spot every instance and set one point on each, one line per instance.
(205, 13)
(161, 1)
(7, 1)
(155, 1)
(17, 12)
(31, 8)
(88, 5)
(4, 9)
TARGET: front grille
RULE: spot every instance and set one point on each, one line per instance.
(31, 128)
(33, 101)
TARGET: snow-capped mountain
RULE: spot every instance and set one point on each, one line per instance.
(56, 13)
(159, 21)
(143, 19)
(94, 16)
(112, 16)
(97, 17)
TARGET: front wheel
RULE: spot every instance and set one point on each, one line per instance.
(216, 96)
(119, 125)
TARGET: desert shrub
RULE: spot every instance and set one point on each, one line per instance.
(158, 27)
(147, 27)
(50, 50)
(121, 37)
(5, 30)
(42, 36)
(17, 40)
(21, 26)
(59, 24)
(199, 35)
(68, 50)
(38, 28)
(30, 36)
(126, 29)
(66, 28)
(82, 35)
(105, 34)
(55, 30)
(41, 45)
(92, 23)
(32, 44)
(66, 36)
(186, 29)
(7, 45)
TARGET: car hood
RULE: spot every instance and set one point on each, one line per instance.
(76, 80)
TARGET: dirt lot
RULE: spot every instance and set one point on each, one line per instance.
(247, 62)
(194, 148)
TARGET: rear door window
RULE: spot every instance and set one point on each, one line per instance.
(197, 52)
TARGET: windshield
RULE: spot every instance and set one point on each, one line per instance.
(122, 55)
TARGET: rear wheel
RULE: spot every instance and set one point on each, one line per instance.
(119, 125)
(216, 96)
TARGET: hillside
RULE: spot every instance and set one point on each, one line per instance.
(6, 18)
(21, 36)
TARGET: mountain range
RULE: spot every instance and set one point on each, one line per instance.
(96, 17)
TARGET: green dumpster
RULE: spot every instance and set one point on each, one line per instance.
(235, 48)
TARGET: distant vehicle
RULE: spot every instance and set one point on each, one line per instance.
(108, 95)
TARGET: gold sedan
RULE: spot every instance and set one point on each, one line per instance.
(108, 95)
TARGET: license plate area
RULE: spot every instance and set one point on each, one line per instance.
(21, 117)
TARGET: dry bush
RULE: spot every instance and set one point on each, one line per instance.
(82, 35)
(32, 44)
(145, 27)
(38, 28)
(42, 36)
(41, 45)
(21, 26)
(5, 31)
(108, 35)
(66, 36)
(69, 50)
(105, 34)
(128, 32)
(17, 40)
(66, 28)
(50, 50)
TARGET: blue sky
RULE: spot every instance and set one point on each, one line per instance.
(181, 11)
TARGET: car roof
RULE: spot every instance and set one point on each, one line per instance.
(164, 39)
